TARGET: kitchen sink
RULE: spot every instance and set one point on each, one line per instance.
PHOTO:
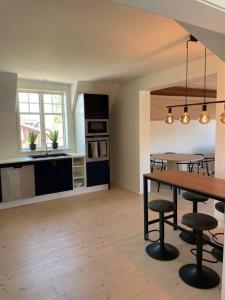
(49, 155)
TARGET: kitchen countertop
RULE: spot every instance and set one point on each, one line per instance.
(29, 159)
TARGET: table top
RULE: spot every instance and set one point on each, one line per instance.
(205, 185)
(178, 157)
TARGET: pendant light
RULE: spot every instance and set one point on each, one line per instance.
(185, 118)
(204, 117)
(222, 116)
(169, 118)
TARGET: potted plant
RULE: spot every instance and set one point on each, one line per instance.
(32, 136)
(53, 136)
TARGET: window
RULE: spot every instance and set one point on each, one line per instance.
(41, 112)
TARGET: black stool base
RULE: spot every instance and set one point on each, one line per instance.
(190, 238)
(205, 278)
(168, 252)
(218, 254)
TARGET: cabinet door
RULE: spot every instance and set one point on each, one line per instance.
(64, 174)
(97, 173)
(45, 178)
(53, 176)
(96, 106)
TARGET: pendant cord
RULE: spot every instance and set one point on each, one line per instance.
(187, 58)
(205, 78)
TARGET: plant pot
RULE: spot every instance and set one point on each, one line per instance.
(32, 147)
(55, 145)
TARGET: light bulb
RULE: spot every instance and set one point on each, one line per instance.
(185, 118)
(169, 118)
(222, 116)
(204, 117)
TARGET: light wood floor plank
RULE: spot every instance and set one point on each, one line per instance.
(90, 247)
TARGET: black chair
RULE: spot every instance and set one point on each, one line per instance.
(196, 165)
(197, 275)
(195, 199)
(160, 250)
(157, 164)
(217, 253)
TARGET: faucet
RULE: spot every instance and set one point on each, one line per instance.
(47, 151)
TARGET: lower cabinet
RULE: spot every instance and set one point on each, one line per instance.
(53, 176)
(98, 173)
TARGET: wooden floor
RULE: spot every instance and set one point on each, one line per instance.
(89, 247)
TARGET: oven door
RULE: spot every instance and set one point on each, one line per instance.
(95, 127)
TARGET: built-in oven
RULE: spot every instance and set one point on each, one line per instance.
(97, 127)
(97, 149)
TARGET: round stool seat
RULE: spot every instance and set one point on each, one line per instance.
(161, 206)
(194, 197)
(199, 221)
(220, 206)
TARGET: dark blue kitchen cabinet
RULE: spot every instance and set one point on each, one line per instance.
(96, 106)
(53, 176)
(97, 173)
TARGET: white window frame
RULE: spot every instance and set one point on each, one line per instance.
(42, 118)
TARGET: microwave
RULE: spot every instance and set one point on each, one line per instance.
(97, 127)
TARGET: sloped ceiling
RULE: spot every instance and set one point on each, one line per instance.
(77, 40)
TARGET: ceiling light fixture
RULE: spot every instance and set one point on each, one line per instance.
(169, 118)
(185, 117)
(222, 116)
(204, 117)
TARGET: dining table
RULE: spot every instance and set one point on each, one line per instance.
(213, 188)
(173, 158)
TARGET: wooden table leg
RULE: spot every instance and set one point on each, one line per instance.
(145, 208)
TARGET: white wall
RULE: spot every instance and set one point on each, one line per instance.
(193, 138)
(126, 167)
(8, 123)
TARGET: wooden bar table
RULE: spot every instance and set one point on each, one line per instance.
(208, 186)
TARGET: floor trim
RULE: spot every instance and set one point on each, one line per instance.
(38, 199)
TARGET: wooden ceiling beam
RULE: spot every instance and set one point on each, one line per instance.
(181, 91)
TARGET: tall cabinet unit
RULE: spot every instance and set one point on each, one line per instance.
(92, 136)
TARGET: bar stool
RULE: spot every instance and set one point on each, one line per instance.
(195, 199)
(217, 253)
(197, 275)
(160, 250)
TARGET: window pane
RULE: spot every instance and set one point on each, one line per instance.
(24, 107)
(54, 122)
(34, 108)
(29, 123)
(48, 108)
(57, 108)
(33, 98)
(57, 99)
(47, 98)
(23, 97)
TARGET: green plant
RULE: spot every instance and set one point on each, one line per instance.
(53, 136)
(32, 136)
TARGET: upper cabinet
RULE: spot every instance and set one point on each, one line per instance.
(96, 106)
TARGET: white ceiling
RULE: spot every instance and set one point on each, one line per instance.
(208, 14)
(75, 40)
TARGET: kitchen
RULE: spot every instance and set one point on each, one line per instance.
(46, 173)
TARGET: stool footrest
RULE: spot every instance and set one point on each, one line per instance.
(193, 251)
(150, 231)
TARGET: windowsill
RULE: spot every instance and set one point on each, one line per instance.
(39, 150)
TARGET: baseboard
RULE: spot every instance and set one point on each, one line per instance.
(38, 199)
